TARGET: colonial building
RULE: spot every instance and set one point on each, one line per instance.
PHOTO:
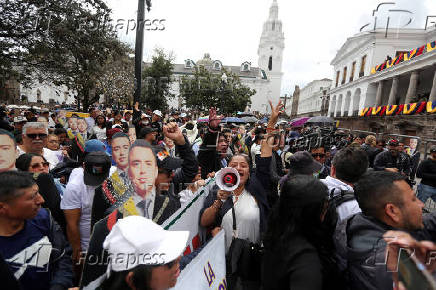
(381, 69)
(313, 97)
(266, 78)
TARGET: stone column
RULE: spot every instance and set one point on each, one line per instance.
(411, 92)
(378, 97)
(393, 93)
(432, 96)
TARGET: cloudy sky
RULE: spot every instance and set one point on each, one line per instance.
(230, 29)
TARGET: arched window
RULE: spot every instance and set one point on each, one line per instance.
(270, 63)
(38, 95)
(217, 66)
(273, 25)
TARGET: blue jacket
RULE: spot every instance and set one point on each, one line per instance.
(52, 269)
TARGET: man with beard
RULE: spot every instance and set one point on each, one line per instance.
(393, 160)
(387, 203)
(142, 200)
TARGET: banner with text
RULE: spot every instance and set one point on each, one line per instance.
(207, 270)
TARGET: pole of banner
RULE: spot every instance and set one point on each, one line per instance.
(139, 47)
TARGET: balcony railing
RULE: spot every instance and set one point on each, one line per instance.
(345, 114)
(332, 114)
(355, 113)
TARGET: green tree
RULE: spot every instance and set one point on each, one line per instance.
(60, 42)
(156, 91)
(117, 81)
(205, 89)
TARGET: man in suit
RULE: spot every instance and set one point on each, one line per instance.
(141, 198)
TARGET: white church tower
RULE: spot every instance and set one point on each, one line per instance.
(270, 52)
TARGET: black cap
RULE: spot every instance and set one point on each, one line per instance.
(165, 161)
(303, 163)
(97, 166)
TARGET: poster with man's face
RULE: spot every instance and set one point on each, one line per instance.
(82, 126)
(8, 153)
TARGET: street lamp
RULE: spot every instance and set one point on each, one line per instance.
(224, 79)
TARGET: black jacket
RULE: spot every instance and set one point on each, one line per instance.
(208, 158)
(386, 160)
(427, 171)
(371, 152)
(96, 260)
(294, 265)
(361, 251)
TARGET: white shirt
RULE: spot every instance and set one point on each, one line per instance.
(99, 133)
(149, 201)
(247, 215)
(255, 150)
(347, 208)
(77, 195)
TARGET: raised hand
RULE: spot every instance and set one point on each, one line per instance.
(214, 120)
(275, 112)
(172, 131)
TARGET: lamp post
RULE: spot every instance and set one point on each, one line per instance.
(139, 47)
(224, 79)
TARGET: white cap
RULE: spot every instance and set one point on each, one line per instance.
(135, 240)
(157, 112)
(144, 116)
(183, 115)
(19, 119)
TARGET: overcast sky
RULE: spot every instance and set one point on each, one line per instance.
(230, 29)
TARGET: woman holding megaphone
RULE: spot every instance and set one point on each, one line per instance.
(238, 204)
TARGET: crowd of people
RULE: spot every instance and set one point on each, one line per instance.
(75, 192)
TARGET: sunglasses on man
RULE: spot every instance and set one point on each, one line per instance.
(320, 155)
(34, 136)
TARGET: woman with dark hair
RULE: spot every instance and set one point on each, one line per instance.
(37, 164)
(99, 130)
(131, 238)
(295, 241)
(32, 162)
(118, 122)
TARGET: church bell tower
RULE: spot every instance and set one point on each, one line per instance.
(270, 52)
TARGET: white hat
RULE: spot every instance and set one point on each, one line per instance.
(135, 240)
(144, 116)
(183, 115)
(157, 112)
(19, 119)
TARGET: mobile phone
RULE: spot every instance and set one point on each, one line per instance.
(413, 273)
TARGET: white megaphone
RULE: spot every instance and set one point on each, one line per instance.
(227, 179)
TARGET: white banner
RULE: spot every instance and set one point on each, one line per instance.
(187, 218)
(207, 270)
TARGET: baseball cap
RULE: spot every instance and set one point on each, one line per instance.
(157, 112)
(134, 239)
(433, 149)
(164, 160)
(94, 145)
(183, 115)
(97, 166)
(19, 119)
(302, 162)
(393, 142)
